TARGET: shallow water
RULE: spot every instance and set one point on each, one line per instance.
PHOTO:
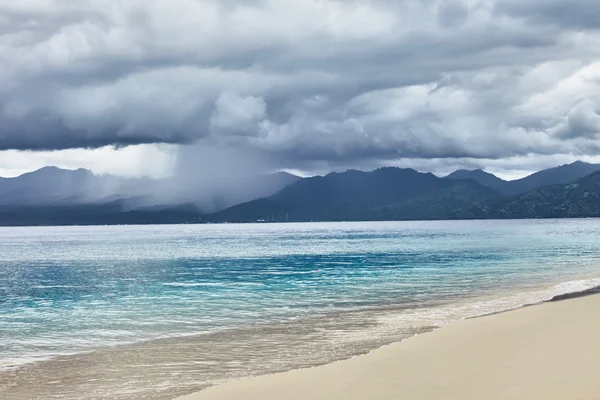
(158, 311)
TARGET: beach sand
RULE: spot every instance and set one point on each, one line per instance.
(549, 351)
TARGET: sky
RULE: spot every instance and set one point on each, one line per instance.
(134, 87)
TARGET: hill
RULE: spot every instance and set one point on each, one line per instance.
(387, 193)
(553, 176)
(578, 199)
(484, 178)
(55, 197)
(51, 185)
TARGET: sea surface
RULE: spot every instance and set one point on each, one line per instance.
(153, 312)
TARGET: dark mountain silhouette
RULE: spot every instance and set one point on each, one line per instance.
(387, 193)
(251, 189)
(52, 196)
(54, 186)
(552, 176)
(580, 198)
(484, 178)
(384, 194)
(51, 186)
(404, 194)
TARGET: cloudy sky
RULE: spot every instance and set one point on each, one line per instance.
(127, 87)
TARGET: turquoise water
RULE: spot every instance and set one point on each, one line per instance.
(158, 311)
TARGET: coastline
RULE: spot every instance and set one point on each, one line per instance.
(547, 350)
(194, 375)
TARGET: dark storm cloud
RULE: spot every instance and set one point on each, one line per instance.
(304, 81)
(579, 14)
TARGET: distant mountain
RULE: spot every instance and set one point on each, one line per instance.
(258, 187)
(553, 176)
(212, 195)
(396, 194)
(484, 178)
(57, 197)
(580, 198)
(54, 186)
(52, 196)
(387, 193)
(279, 180)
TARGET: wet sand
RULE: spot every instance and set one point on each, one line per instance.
(549, 351)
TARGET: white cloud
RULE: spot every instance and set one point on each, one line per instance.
(155, 161)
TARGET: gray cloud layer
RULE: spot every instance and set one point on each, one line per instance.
(304, 80)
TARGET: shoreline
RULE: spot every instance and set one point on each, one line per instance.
(393, 308)
(158, 223)
(190, 375)
(467, 359)
(574, 295)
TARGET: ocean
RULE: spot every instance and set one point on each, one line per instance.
(154, 312)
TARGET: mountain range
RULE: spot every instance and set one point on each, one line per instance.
(52, 196)
(384, 194)
(51, 186)
(405, 194)
(55, 186)
(554, 176)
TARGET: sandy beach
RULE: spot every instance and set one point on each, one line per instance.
(547, 351)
